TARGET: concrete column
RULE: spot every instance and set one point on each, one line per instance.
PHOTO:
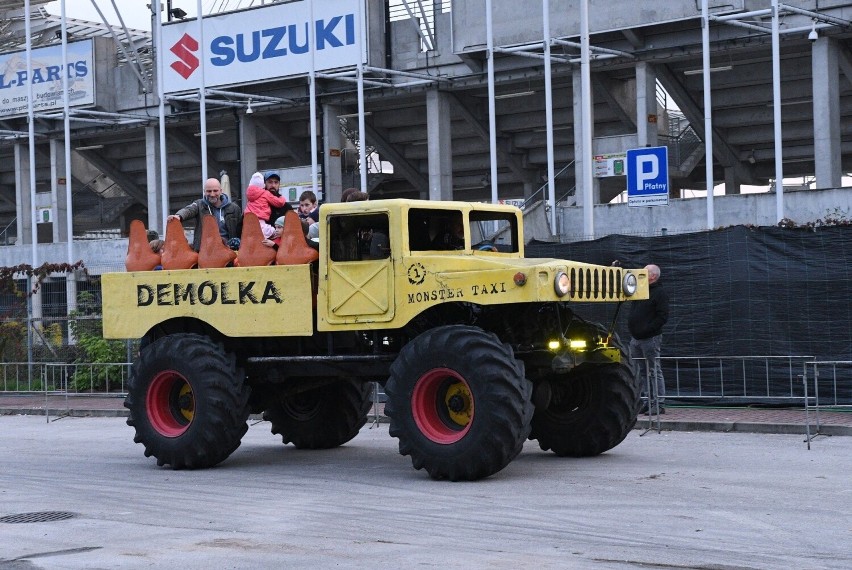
(22, 194)
(332, 149)
(646, 105)
(58, 195)
(248, 154)
(732, 181)
(152, 164)
(578, 144)
(439, 140)
(826, 87)
(70, 300)
(37, 313)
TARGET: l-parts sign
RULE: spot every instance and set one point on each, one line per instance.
(648, 176)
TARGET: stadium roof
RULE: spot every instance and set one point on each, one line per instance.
(46, 29)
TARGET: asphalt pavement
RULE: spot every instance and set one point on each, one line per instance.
(674, 500)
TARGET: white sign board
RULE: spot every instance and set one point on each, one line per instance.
(44, 216)
(264, 44)
(606, 165)
(296, 180)
(518, 203)
(648, 176)
(47, 72)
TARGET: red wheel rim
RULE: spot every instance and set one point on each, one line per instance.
(170, 404)
(442, 405)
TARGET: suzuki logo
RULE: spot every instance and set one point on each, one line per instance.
(184, 49)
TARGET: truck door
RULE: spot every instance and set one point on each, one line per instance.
(360, 269)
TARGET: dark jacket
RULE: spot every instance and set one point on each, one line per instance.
(647, 318)
(278, 211)
(229, 216)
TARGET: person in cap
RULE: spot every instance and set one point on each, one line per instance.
(272, 183)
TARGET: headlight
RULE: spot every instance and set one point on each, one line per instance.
(561, 284)
(629, 284)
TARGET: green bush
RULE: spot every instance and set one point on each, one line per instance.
(13, 341)
(93, 348)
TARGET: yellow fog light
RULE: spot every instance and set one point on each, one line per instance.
(554, 345)
(577, 344)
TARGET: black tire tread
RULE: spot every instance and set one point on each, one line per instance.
(503, 408)
(221, 399)
(343, 409)
(613, 400)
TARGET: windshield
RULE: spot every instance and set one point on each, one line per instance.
(444, 230)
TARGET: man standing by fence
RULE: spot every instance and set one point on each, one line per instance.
(645, 323)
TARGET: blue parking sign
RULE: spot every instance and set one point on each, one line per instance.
(648, 176)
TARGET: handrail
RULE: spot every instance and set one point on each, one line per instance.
(4, 230)
(523, 205)
(543, 186)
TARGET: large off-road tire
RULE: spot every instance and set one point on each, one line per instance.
(459, 403)
(188, 401)
(590, 411)
(322, 418)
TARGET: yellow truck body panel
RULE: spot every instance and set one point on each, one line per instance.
(377, 270)
(236, 301)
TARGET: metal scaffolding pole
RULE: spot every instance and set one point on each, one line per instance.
(31, 132)
(202, 96)
(157, 29)
(548, 114)
(586, 111)
(776, 113)
(708, 110)
(362, 138)
(66, 103)
(492, 111)
(312, 78)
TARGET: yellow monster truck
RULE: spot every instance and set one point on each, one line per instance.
(477, 347)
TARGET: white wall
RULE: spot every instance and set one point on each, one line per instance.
(690, 215)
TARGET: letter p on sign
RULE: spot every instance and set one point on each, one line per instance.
(647, 169)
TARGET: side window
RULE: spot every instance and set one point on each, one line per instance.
(359, 237)
(430, 230)
(494, 231)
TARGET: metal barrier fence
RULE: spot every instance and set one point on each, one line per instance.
(839, 383)
(794, 380)
(738, 379)
(832, 382)
(742, 379)
(734, 379)
(59, 378)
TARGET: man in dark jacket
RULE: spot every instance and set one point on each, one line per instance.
(645, 323)
(272, 182)
(214, 203)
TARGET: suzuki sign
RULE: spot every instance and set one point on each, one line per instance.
(262, 44)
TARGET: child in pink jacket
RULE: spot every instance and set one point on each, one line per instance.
(261, 201)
